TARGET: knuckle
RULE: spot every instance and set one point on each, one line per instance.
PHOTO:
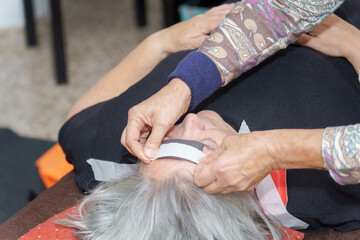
(234, 183)
(163, 123)
(197, 180)
(132, 111)
(220, 171)
(228, 140)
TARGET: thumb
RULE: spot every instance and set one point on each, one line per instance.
(215, 154)
(153, 142)
(204, 172)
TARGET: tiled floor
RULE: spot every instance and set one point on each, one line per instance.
(98, 35)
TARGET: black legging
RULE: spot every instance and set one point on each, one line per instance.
(296, 88)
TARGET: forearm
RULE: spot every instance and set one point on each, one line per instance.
(249, 34)
(297, 148)
(336, 149)
(136, 65)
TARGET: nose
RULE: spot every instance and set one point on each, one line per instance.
(192, 123)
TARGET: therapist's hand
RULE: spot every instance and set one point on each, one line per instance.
(243, 160)
(157, 115)
(334, 37)
(191, 33)
(238, 164)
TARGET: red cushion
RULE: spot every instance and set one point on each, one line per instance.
(50, 231)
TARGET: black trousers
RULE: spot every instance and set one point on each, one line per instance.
(296, 88)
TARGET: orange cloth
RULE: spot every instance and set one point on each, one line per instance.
(51, 231)
(52, 165)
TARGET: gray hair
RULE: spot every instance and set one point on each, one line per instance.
(140, 207)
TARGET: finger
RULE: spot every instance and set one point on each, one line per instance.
(123, 140)
(143, 138)
(214, 188)
(229, 190)
(222, 7)
(204, 175)
(132, 140)
(215, 154)
(211, 23)
(153, 143)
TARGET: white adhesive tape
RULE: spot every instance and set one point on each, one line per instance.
(180, 151)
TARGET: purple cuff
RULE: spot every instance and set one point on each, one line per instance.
(200, 73)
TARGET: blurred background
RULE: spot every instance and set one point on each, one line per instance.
(33, 104)
(97, 35)
(51, 53)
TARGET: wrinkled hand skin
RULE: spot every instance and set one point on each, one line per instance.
(156, 114)
(160, 112)
(238, 164)
(243, 160)
(191, 33)
(334, 37)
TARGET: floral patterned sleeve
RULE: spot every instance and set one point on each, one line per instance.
(256, 29)
(341, 153)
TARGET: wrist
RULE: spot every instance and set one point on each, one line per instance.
(352, 54)
(297, 148)
(181, 90)
(159, 42)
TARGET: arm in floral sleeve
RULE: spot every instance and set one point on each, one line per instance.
(251, 32)
(341, 153)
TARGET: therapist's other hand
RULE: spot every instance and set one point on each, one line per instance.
(238, 164)
(243, 160)
(191, 33)
(334, 37)
(157, 115)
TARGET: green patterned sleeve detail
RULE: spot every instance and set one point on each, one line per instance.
(341, 153)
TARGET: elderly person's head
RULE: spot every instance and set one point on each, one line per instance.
(160, 201)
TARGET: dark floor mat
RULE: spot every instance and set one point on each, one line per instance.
(19, 179)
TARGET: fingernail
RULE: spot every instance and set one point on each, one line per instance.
(149, 153)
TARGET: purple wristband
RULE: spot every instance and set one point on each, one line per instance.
(200, 73)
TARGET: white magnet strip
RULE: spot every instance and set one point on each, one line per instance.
(180, 151)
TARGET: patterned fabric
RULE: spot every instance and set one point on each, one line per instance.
(341, 153)
(51, 231)
(251, 32)
(256, 29)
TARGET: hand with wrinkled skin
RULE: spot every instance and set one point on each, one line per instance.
(334, 37)
(156, 114)
(243, 160)
(160, 112)
(238, 164)
(191, 33)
